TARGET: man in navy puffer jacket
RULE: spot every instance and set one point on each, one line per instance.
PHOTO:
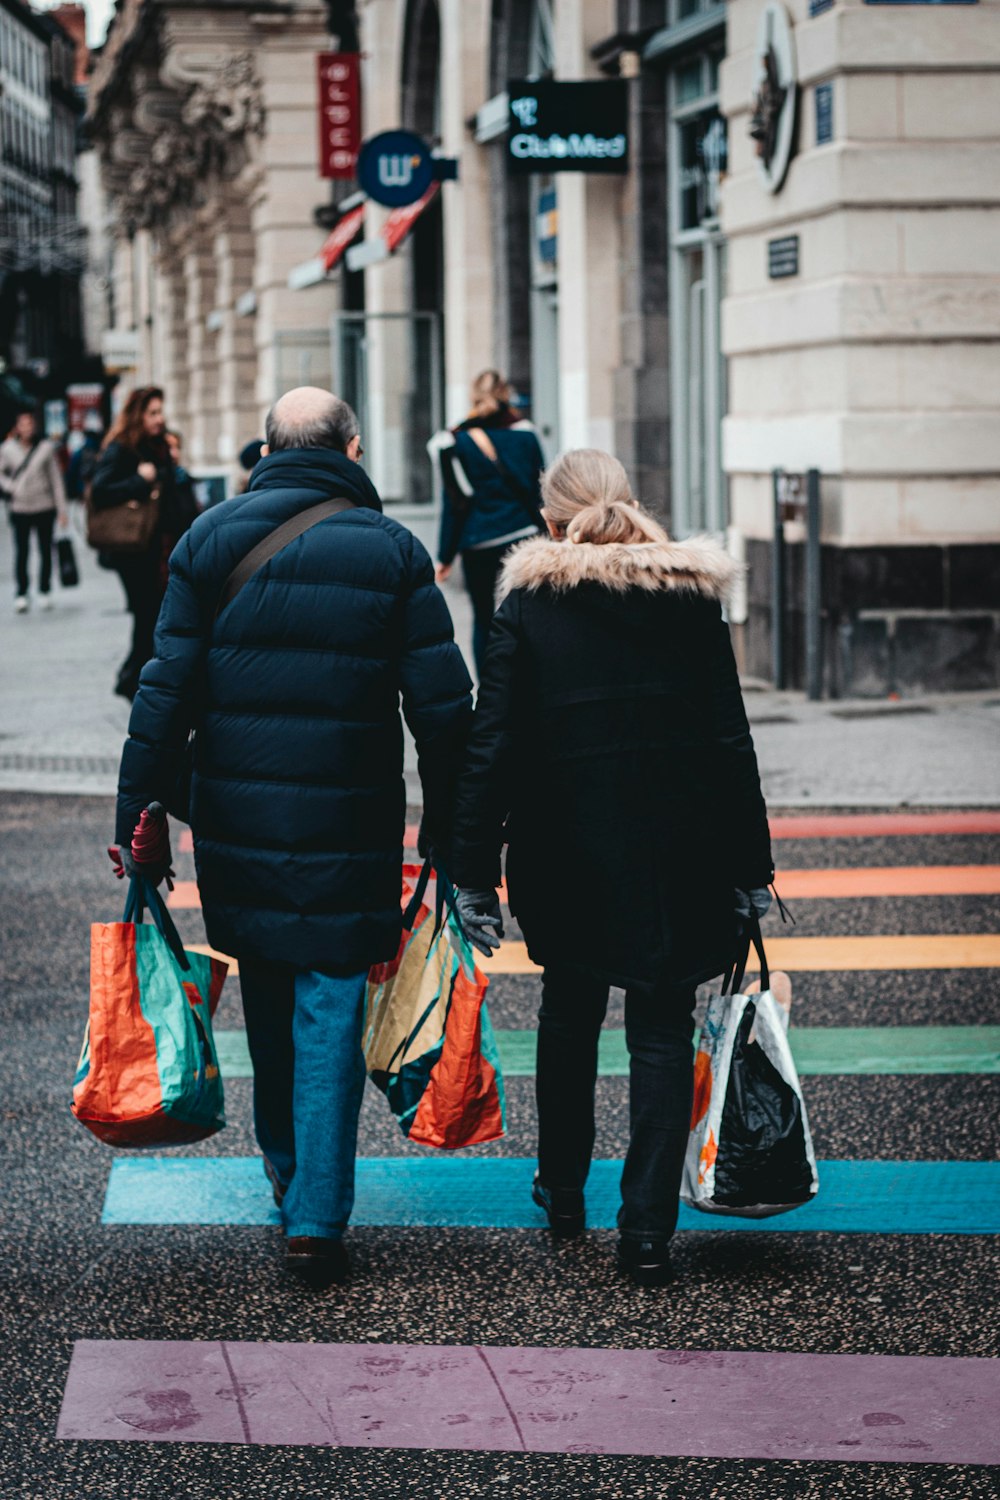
(298, 799)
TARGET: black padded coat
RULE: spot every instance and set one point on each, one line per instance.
(298, 799)
(610, 740)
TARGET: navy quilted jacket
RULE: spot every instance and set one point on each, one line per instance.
(298, 798)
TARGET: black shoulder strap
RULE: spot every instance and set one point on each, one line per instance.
(273, 543)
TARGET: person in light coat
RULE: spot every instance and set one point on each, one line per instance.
(31, 482)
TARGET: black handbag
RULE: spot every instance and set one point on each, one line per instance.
(178, 803)
(69, 574)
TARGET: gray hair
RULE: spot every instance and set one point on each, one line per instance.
(332, 426)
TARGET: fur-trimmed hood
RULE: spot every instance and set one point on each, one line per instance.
(698, 566)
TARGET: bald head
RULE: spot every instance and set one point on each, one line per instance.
(308, 417)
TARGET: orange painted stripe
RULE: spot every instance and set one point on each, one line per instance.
(875, 825)
(905, 880)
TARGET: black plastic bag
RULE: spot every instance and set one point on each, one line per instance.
(69, 575)
(763, 1157)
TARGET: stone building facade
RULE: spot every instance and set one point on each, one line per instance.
(798, 270)
(205, 121)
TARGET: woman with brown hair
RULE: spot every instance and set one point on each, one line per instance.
(490, 466)
(610, 748)
(136, 465)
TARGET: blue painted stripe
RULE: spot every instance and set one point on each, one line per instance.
(859, 1197)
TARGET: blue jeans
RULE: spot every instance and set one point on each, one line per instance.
(304, 1033)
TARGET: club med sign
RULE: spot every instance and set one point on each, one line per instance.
(567, 127)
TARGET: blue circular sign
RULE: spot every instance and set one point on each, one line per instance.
(395, 167)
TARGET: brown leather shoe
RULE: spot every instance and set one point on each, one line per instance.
(320, 1262)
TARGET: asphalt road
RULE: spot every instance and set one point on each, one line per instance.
(66, 1277)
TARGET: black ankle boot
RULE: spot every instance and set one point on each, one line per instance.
(645, 1261)
(564, 1208)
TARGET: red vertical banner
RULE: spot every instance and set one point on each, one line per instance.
(339, 113)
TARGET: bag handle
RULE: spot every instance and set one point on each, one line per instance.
(142, 894)
(419, 892)
(734, 974)
(274, 542)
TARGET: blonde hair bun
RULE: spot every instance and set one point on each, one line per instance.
(587, 495)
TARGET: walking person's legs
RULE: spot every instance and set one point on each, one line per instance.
(329, 1084)
(268, 1007)
(44, 529)
(659, 1027)
(141, 581)
(569, 1026)
(481, 569)
(22, 540)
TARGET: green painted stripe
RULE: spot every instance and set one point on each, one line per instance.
(817, 1049)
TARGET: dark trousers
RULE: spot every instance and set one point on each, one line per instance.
(659, 1029)
(482, 569)
(43, 525)
(140, 576)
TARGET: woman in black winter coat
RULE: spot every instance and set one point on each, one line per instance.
(136, 464)
(611, 749)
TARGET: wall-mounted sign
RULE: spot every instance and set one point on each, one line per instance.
(392, 234)
(395, 168)
(568, 127)
(339, 113)
(547, 229)
(783, 257)
(120, 348)
(824, 113)
(772, 123)
(85, 401)
(342, 235)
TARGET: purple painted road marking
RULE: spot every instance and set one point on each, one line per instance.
(881, 1408)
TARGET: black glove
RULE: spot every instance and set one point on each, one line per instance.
(479, 914)
(756, 902)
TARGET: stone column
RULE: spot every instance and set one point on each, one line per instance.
(468, 247)
(237, 361)
(171, 343)
(287, 187)
(589, 256)
(199, 273)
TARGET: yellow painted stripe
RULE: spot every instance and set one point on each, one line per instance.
(797, 954)
(892, 880)
(802, 954)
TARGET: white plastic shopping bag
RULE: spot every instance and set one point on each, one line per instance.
(750, 1152)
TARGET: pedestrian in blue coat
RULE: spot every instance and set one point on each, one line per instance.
(490, 465)
(297, 799)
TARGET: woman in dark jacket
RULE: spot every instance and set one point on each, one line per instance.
(490, 468)
(136, 464)
(611, 748)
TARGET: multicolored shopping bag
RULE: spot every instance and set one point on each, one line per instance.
(750, 1152)
(428, 1041)
(149, 1073)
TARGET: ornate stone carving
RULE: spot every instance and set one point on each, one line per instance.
(164, 151)
(231, 104)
